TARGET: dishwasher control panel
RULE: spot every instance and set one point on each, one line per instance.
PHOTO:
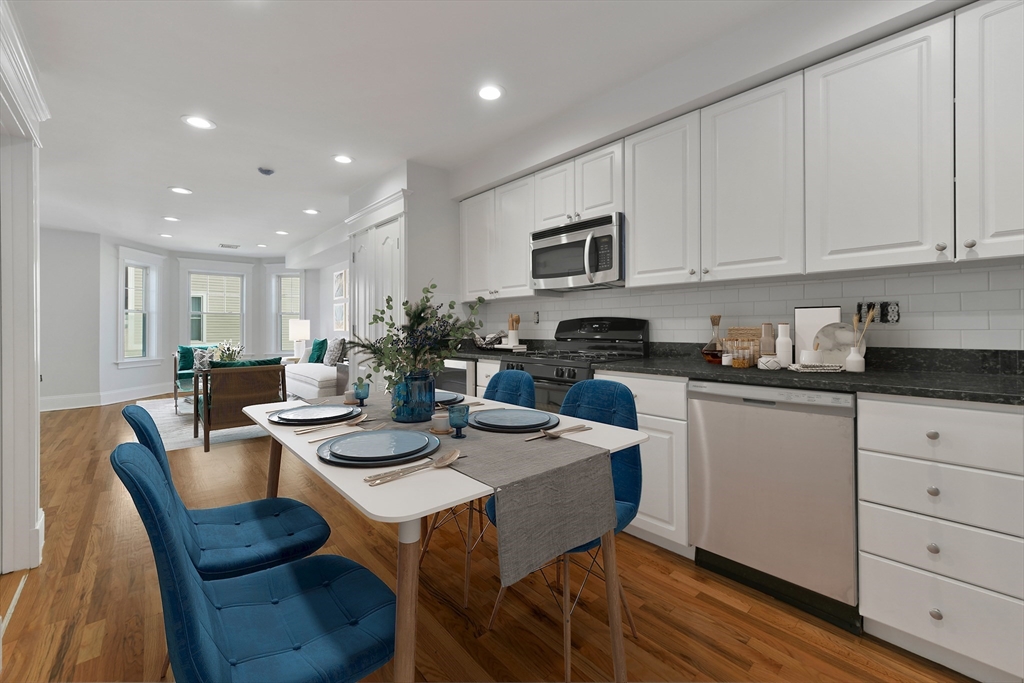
(757, 394)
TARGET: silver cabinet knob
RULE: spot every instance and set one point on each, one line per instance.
(933, 435)
(577, 215)
(935, 613)
(932, 490)
(941, 246)
(692, 271)
(971, 244)
(705, 271)
(933, 549)
(569, 216)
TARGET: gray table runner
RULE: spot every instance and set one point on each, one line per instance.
(550, 495)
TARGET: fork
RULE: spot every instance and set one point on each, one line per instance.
(555, 434)
(333, 436)
(354, 421)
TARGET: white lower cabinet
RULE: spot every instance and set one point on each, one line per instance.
(485, 369)
(942, 543)
(662, 517)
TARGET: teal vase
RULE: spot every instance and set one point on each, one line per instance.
(413, 399)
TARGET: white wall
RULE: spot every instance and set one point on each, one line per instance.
(323, 326)
(961, 306)
(432, 234)
(69, 283)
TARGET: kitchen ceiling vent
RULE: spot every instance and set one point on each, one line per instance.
(229, 246)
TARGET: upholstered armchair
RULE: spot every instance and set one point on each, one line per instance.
(220, 393)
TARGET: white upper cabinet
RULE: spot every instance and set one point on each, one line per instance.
(663, 204)
(879, 162)
(555, 195)
(476, 224)
(752, 183)
(599, 185)
(990, 130)
(513, 222)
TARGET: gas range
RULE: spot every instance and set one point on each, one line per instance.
(582, 343)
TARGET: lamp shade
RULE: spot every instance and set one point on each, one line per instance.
(298, 330)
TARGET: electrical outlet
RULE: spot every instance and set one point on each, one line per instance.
(886, 312)
(536, 317)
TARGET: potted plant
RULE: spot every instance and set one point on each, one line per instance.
(410, 354)
(229, 351)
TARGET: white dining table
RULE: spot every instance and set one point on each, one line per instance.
(409, 501)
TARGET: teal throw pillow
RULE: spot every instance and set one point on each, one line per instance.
(244, 363)
(319, 351)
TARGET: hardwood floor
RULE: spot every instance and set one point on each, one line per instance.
(92, 611)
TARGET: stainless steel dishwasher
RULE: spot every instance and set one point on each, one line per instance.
(772, 492)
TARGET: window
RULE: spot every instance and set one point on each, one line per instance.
(215, 308)
(288, 307)
(135, 324)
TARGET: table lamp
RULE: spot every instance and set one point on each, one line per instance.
(298, 332)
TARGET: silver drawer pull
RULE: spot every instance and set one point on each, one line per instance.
(933, 490)
(933, 435)
(933, 549)
(935, 613)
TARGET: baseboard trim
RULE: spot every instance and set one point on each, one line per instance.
(68, 402)
(134, 393)
(686, 551)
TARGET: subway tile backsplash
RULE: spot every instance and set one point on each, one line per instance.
(973, 306)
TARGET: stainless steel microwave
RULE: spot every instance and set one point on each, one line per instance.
(578, 255)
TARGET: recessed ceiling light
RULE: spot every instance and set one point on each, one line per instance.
(172, 219)
(491, 92)
(164, 234)
(180, 190)
(311, 212)
(262, 246)
(199, 122)
(342, 159)
(281, 232)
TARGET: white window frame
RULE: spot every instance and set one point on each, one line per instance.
(126, 257)
(189, 266)
(275, 271)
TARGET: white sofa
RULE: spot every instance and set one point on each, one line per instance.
(316, 380)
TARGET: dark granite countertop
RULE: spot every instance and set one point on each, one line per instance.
(959, 386)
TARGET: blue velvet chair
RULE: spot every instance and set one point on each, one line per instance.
(323, 618)
(609, 403)
(508, 386)
(512, 386)
(236, 539)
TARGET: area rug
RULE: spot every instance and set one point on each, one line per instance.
(176, 430)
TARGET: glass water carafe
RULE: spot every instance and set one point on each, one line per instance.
(713, 350)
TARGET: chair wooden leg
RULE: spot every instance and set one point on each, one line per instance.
(166, 667)
(497, 604)
(629, 613)
(430, 532)
(469, 556)
(566, 618)
(206, 437)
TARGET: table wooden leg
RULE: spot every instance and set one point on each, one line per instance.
(611, 584)
(274, 468)
(406, 598)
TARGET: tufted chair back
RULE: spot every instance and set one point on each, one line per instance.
(511, 386)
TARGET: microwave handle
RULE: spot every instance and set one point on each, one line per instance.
(586, 258)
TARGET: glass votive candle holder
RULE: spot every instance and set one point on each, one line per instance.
(458, 417)
(361, 392)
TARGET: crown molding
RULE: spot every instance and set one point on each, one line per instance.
(19, 88)
(377, 205)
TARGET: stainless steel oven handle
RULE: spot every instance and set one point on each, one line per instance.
(551, 385)
(586, 257)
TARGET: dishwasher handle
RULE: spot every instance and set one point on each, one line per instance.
(759, 402)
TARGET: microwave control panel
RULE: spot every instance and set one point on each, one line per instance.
(603, 247)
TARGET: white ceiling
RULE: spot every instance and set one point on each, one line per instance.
(292, 83)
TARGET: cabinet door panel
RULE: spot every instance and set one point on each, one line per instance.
(556, 195)
(513, 216)
(752, 183)
(599, 184)
(476, 218)
(990, 130)
(663, 499)
(663, 203)
(879, 137)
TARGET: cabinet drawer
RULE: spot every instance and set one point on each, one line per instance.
(975, 556)
(989, 500)
(657, 397)
(975, 622)
(485, 369)
(961, 436)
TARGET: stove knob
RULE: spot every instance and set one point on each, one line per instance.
(519, 366)
(559, 372)
(510, 366)
(571, 373)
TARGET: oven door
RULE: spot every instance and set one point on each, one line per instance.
(549, 395)
(578, 255)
